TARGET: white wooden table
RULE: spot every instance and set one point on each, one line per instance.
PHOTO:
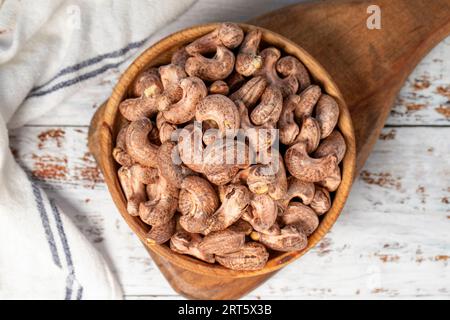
(392, 239)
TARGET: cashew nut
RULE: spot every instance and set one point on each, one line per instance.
(247, 60)
(133, 189)
(229, 35)
(234, 204)
(288, 128)
(251, 91)
(190, 147)
(147, 83)
(222, 242)
(333, 144)
(308, 100)
(290, 238)
(262, 212)
(138, 145)
(234, 81)
(179, 57)
(160, 207)
(269, 109)
(332, 182)
(305, 168)
(194, 90)
(287, 85)
(211, 69)
(322, 201)
(197, 202)
(298, 189)
(166, 129)
(290, 65)
(219, 87)
(252, 256)
(309, 134)
(119, 152)
(221, 110)
(162, 233)
(327, 114)
(301, 216)
(188, 243)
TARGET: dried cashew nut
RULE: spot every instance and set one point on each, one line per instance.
(219, 87)
(333, 144)
(162, 233)
(288, 128)
(332, 182)
(188, 243)
(147, 83)
(308, 100)
(298, 189)
(222, 242)
(309, 134)
(322, 201)
(269, 109)
(229, 35)
(327, 114)
(301, 216)
(262, 212)
(290, 238)
(251, 91)
(138, 145)
(252, 256)
(211, 69)
(247, 60)
(119, 152)
(305, 168)
(290, 65)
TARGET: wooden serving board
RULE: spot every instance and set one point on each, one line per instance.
(369, 66)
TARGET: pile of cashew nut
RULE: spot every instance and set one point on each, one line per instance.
(234, 214)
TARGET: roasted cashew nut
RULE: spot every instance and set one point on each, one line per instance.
(147, 83)
(298, 189)
(288, 128)
(162, 233)
(222, 111)
(333, 144)
(308, 100)
(269, 109)
(194, 90)
(327, 114)
(211, 69)
(229, 35)
(251, 91)
(301, 216)
(188, 243)
(287, 85)
(290, 238)
(309, 134)
(138, 145)
(322, 201)
(197, 202)
(219, 87)
(260, 137)
(268, 178)
(247, 60)
(235, 202)
(332, 182)
(252, 256)
(305, 168)
(262, 212)
(160, 207)
(119, 152)
(290, 65)
(222, 242)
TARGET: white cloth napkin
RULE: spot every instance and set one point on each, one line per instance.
(49, 49)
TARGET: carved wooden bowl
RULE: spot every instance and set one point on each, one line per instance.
(106, 124)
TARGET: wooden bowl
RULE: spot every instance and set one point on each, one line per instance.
(109, 124)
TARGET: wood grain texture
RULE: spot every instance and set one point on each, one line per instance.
(341, 267)
(370, 66)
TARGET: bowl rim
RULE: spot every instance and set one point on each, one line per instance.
(175, 40)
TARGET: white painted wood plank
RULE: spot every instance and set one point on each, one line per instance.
(391, 240)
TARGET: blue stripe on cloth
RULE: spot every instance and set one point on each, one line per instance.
(76, 80)
(45, 224)
(65, 244)
(92, 61)
(80, 293)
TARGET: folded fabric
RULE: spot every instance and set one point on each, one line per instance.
(49, 49)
